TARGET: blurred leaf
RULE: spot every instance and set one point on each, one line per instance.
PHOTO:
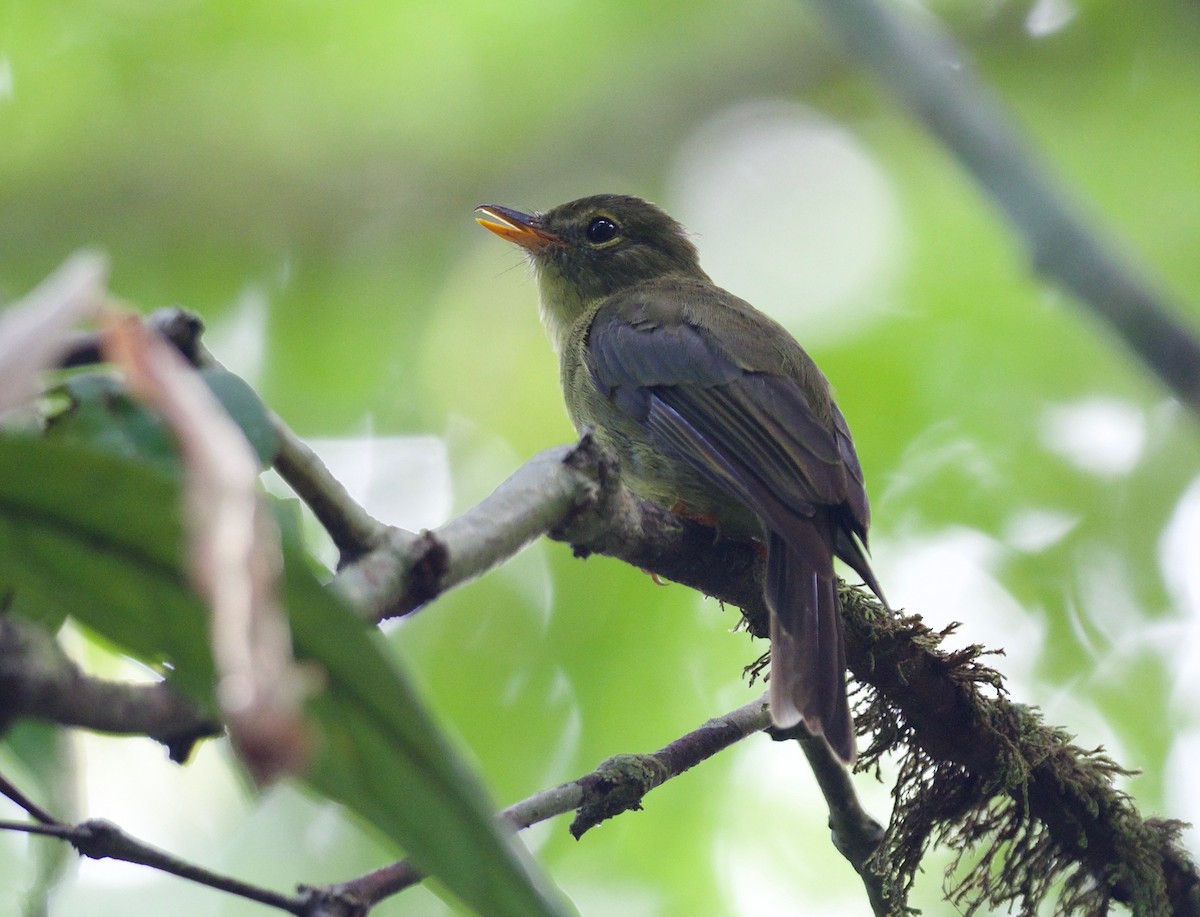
(42, 750)
(96, 534)
(99, 412)
(242, 404)
(382, 755)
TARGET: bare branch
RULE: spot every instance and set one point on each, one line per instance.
(100, 839)
(616, 786)
(9, 789)
(353, 530)
(407, 570)
(38, 680)
(923, 65)
(855, 834)
(571, 493)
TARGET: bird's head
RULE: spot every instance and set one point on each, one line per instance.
(587, 249)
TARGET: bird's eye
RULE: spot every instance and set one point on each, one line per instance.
(601, 230)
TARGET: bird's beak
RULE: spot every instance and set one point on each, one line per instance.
(515, 226)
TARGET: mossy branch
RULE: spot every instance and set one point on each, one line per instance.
(979, 772)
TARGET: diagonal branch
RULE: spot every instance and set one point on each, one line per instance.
(407, 571)
(100, 839)
(620, 783)
(926, 69)
(962, 734)
(856, 835)
(571, 493)
(352, 529)
(615, 786)
(976, 768)
(39, 680)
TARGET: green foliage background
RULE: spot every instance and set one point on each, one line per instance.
(303, 174)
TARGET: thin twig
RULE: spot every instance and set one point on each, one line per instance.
(352, 529)
(407, 571)
(9, 789)
(100, 839)
(855, 834)
(39, 680)
(617, 785)
(922, 64)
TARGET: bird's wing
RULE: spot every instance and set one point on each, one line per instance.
(752, 432)
(757, 436)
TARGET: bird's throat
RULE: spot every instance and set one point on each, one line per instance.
(560, 307)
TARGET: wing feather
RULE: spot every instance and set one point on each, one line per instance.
(759, 426)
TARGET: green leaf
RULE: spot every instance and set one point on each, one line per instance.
(99, 411)
(382, 755)
(246, 409)
(100, 535)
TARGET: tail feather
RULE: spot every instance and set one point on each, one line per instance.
(808, 656)
(853, 551)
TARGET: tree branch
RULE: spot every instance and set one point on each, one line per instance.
(973, 741)
(39, 680)
(923, 65)
(615, 786)
(352, 529)
(571, 493)
(407, 571)
(856, 835)
(977, 768)
(100, 839)
(40, 815)
(980, 770)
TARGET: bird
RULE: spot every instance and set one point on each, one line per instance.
(715, 412)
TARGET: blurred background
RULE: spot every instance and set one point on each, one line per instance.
(303, 174)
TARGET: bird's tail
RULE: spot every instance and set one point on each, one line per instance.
(853, 551)
(808, 653)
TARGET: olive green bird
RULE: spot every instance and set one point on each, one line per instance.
(717, 413)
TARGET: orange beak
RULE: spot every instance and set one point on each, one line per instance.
(514, 226)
